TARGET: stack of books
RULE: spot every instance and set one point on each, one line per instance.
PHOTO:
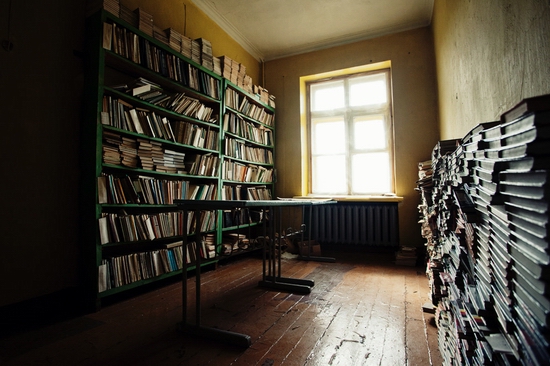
(494, 262)
(174, 161)
(206, 53)
(128, 152)
(145, 21)
(196, 51)
(524, 187)
(227, 66)
(217, 65)
(112, 6)
(145, 154)
(129, 16)
(160, 34)
(111, 144)
(241, 75)
(174, 39)
(186, 46)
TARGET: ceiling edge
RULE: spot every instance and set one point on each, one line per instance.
(211, 11)
(340, 41)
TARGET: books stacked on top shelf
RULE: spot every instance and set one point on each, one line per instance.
(235, 67)
(217, 63)
(112, 6)
(145, 21)
(227, 66)
(206, 56)
(129, 16)
(186, 47)
(241, 75)
(174, 39)
(196, 51)
(160, 34)
(248, 86)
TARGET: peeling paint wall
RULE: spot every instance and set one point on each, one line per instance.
(489, 56)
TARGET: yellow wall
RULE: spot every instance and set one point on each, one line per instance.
(186, 18)
(489, 56)
(415, 110)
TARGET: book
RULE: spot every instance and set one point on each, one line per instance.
(527, 105)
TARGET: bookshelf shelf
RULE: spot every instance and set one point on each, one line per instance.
(153, 133)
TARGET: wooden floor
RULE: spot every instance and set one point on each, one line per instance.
(363, 310)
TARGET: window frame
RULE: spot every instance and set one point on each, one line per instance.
(349, 114)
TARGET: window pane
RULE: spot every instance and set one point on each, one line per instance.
(369, 133)
(368, 90)
(329, 175)
(329, 136)
(371, 173)
(327, 96)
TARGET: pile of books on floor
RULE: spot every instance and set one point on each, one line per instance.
(492, 264)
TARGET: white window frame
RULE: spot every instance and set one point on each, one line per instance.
(348, 114)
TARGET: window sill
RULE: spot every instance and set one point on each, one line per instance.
(366, 198)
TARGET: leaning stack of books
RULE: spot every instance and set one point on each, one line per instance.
(525, 189)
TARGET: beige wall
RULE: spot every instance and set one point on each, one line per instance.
(415, 110)
(489, 55)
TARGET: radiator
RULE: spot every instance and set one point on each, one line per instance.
(357, 223)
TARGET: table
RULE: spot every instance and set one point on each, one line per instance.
(271, 259)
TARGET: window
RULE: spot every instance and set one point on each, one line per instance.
(350, 135)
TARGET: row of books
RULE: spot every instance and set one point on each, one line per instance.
(239, 192)
(486, 223)
(241, 103)
(126, 269)
(119, 113)
(237, 125)
(238, 149)
(198, 50)
(123, 227)
(125, 189)
(141, 51)
(151, 155)
(238, 172)
(206, 165)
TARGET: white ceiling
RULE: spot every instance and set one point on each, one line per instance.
(271, 29)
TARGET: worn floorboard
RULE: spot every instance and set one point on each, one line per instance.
(363, 310)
